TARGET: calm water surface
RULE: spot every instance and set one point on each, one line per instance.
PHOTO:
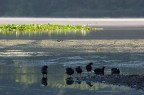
(22, 75)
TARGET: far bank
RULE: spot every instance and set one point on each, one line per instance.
(97, 22)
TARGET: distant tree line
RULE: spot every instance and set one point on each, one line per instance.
(72, 8)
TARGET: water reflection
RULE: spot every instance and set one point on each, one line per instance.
(103, 34)
(42, 34)
(132, 81)
(89, 83)
(44, 81)
(69, 81)
(31, 78)
(44, 72)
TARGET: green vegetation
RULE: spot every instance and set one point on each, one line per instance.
(72, 8)
(42, 28)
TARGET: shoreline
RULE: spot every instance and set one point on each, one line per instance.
(96, 22)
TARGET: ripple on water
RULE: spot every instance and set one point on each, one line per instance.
(132, 64)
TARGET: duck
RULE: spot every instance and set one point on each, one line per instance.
(115, 71)
(78, 70)
(99, 71)
(59, 40)
(69, 71)
(89, 67)
(44, 70)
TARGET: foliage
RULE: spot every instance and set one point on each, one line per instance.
(42, 28)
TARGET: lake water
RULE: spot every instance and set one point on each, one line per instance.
(23, 55)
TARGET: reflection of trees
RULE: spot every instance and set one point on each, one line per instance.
(49, 33)
(26, 79)
(27, 75)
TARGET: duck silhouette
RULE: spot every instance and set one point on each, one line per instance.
(59, 40)
(78, 70)
(44, 70)
(69, 71)
(89, 67)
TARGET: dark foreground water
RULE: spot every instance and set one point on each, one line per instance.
(21, 75)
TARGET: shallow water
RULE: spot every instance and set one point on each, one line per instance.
(21, 75)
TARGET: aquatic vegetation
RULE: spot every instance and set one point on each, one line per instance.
(33, 29)
(40, 28)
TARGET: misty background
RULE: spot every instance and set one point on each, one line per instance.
(72, 8)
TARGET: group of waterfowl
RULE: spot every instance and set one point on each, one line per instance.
(97, 71)
(134, 81)
(70, 71)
